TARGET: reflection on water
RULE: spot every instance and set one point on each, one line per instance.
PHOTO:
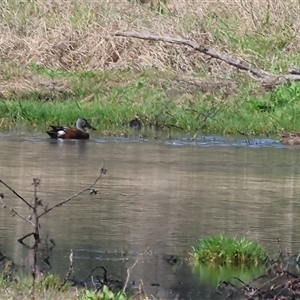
(214, 275)
(158, 197)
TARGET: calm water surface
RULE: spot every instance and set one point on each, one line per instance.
(157, 198)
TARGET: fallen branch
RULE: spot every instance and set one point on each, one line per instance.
(268, 78)
(294, 70)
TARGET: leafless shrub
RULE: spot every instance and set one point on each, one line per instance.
(37, 210)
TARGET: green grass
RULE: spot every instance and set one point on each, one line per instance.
(111, 98)
(105, 294)
(222, 251)
(22, 286)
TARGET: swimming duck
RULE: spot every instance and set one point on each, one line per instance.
(291, 138)
(64, 132)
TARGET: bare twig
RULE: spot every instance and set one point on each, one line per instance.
(34, 252)
(102, 171)
(14, 212)
(49, 252)
(36, 182)
(128, 275)
(270, 78)
(19, 196)
(142, 291)
(70, 271)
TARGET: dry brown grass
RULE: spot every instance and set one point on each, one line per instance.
(24, 84)
(75, 35)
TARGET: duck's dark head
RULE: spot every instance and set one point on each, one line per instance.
(82, 123)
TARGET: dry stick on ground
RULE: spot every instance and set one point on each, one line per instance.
(261, 74)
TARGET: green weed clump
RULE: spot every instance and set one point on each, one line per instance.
(222, 251)
(105, 294)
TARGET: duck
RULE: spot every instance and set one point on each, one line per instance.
(78, 132)
(290, 138)
(135, 123)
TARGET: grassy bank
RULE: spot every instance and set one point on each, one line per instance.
(60, 60)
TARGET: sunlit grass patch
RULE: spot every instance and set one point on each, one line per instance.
(221, 251)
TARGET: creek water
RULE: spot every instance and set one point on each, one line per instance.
(157, 198)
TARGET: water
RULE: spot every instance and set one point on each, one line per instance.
(157, 198)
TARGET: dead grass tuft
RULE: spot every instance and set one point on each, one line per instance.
(27, 85)
(75, 35)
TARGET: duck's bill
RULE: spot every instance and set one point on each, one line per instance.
(91, 127)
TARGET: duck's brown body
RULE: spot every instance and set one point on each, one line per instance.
(64, 132)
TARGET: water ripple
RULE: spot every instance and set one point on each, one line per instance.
(209, 141)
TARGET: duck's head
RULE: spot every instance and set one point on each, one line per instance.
(82, 123)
